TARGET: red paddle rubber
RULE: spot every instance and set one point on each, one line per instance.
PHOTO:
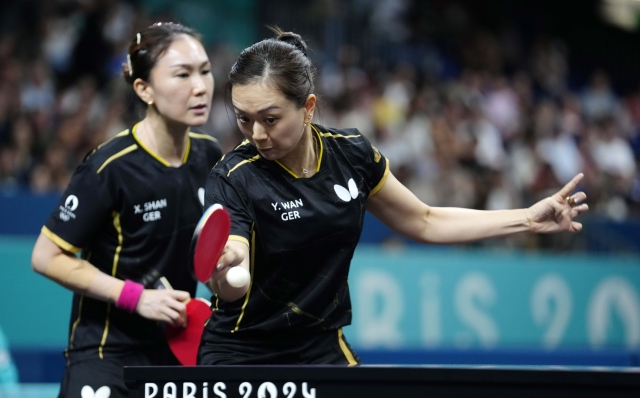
(209, 238)
(184, 342)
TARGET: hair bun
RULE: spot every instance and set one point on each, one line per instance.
(294, 39)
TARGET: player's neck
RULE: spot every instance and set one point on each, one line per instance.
(304, 160)
(168, 141)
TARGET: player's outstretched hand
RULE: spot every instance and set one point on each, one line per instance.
(164, 305)
(230, 257)
(556, 213)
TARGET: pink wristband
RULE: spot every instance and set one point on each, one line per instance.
(128, 299)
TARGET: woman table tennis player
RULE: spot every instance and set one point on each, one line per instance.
(297, 193)
(131, 208)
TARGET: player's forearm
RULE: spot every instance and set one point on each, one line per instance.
(81, 277)
(73, 273)
(450, 225)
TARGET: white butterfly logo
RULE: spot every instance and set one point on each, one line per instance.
(344, 194)
(102, 392)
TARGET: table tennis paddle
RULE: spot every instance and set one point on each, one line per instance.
(184, 341)
(208, 241)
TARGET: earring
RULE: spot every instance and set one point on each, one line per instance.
(150, 103)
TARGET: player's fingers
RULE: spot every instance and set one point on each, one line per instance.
(155, 309)
(175, 310)
(220, 265)
(576, 226)
(233, 258)
(579, 210)
(229, 258)
(181, 309)
(557, 203)
(578, 197)
(173, 316)
(179, 295)
(177, 305)
(571, 185)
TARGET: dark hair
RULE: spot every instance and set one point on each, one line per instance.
(149, 45)
(281, 63)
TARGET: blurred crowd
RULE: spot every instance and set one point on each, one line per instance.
(488, 141)
(493, 125)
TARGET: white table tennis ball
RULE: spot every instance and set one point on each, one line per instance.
(238, 276)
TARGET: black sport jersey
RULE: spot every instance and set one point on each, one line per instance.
(301, 232)
(130, 214)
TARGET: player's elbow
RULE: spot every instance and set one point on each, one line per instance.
(420, 229)
(43, 252)
(38, 261)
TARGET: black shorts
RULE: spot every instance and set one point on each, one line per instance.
(108, 373)
(326, 348)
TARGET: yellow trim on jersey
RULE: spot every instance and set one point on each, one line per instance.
(294, 307)
(202, 136)
(106, 331)
(239, 238)
(114, 268)
(214, 166)
(186, 153)
(253, 159)
(149, 151)
(75, 324)
(120, 134)
(345, 350)
(243, 143)
(117, 155)
(321, 147)
(116, 256)
(61, 243)
(285, 167)
(329, 135)
(319, 156)
(155, 155)
(382, 180)
(253, 258)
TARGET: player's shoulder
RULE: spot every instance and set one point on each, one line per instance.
(338, 135)
(346, 140)
(200, 138)
(238, 161)
(205, 143)
(119, 146)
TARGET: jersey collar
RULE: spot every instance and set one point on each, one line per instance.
(320, 153)
(155, 155)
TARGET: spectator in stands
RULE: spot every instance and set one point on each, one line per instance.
(71, 104)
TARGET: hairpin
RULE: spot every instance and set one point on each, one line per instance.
(130, 65)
